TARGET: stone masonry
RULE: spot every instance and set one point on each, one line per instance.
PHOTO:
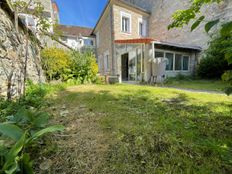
(161, 17)
(13, 54)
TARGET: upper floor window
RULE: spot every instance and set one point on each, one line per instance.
(125, 22)
(142, 27)
(88, 42)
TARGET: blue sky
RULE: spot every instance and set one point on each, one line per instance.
(80, 12)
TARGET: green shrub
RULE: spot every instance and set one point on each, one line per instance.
(72, 67)
(83, 68)
(55, 61)
(213, 64)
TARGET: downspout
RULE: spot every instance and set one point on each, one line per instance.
(153, 57)
(112, 40)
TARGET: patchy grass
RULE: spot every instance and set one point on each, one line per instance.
(205, 85)
(137, 129)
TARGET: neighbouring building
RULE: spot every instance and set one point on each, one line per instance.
(132, 38)
(78, 38)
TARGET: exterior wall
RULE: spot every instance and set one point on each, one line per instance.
(158, 21)
(79, 43)
(135, 16)
(104, 34)
(161, 17)
(13, 54)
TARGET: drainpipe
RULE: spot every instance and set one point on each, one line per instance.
(153, 56)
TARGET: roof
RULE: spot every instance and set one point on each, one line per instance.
(75, 30)
(122, 2)
(184, 46)
(157, 42)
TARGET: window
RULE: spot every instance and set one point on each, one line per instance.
(88, 42)
(125, 22)
(159, 54)
(64, 38)
(106, 62)
(98, 38)
(142, 27)
(170, 57)
(178, 62)
(185, 63)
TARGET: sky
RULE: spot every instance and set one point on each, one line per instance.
(80, 12)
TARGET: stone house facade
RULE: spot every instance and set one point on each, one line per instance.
(134, 44)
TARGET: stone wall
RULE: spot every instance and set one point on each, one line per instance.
(161, 17)
(13, 54)
(105, 42)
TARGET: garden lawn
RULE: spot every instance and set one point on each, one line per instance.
(204, 85)
(137, 129)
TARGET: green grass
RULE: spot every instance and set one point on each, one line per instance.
(208, 85)
(156, 130)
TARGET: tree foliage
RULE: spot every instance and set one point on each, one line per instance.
(213, 64)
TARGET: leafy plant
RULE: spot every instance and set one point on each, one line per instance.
(83, 67)
(55, 61)
(21, 131)
(72, 67)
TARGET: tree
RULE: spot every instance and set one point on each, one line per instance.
(184, 17)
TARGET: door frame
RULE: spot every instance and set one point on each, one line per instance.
(123, 57)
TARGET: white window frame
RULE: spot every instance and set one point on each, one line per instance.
(174, 59)
(126, 15)
(144, 27)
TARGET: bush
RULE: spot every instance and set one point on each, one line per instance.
(55, 61)
(83, 68)
(213, 64)
(72, 67)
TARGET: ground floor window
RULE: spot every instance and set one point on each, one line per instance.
(106, 62)
(176, 61)
(170, 57)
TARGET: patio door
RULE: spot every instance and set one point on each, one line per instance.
(125, 67)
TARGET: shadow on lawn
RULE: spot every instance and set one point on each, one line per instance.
(148, 134)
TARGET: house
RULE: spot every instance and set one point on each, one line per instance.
(78, 38)
(132, 35)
